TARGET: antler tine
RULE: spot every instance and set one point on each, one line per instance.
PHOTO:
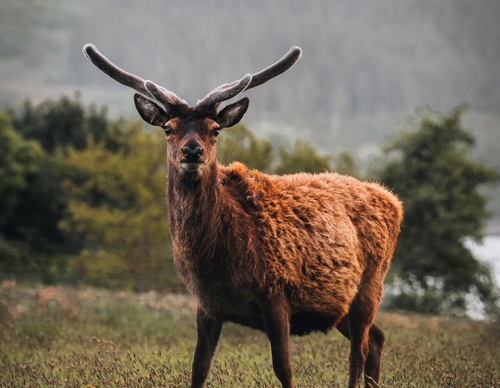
(225, 92)
(128, 79)
(164, 95)
(276, 68)
(113, 71)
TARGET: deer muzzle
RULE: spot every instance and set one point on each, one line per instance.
(192, 157)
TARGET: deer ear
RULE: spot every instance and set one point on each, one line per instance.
(149, 111)
(232, 114)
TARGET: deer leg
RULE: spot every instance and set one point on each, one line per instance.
(372, 365)
(275, 313)
(209, 329)
(360, 319)
(359, 351)
(376, 344)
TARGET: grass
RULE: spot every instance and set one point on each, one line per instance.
(83, 337)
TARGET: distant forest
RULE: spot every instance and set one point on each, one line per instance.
(367, 66)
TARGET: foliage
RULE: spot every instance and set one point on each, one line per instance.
(302, 158)
(33, 222)
(61, 123)
(19, 163)
(240, 144)
(19, 159)
(83, 337)
(430, 167)
(344, 163)
(118, 205)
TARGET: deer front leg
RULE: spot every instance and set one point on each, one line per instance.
(209, 329)
(276, 316)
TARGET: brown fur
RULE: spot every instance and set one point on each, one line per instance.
(321, 244)
(312, 237)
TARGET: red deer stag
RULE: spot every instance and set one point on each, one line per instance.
(283, 254)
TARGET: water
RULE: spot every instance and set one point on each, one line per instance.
(488, 252)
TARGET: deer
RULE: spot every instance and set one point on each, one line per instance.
(286, 255)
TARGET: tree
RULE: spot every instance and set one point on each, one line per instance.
(430, 167)
(19, 163)
(344, 163)
(302, 158)
(240, 144)
(42, 202)
(118, 206)
(61, 123)
(19, 159)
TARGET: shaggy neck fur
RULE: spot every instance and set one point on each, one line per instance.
(194, 207)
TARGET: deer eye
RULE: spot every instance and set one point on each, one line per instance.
(215, 132)
(168, 130)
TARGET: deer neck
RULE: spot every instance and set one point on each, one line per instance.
(194, 209)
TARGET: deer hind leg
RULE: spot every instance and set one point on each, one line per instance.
(367, 341)
(372, 365)
(360, 338)
(376, 345)
(209, 329)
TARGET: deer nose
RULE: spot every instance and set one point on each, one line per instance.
(192, 152)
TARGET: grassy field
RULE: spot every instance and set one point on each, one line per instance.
(83, 337)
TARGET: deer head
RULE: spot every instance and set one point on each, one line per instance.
(191, 132)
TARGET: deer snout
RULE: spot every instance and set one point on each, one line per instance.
(192, 153)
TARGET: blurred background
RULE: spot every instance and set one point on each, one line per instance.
(406, 93)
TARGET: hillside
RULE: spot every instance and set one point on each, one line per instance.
(366, 66)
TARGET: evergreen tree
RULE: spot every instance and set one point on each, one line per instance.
(430, 167)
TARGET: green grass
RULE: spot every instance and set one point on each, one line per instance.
(68, 337)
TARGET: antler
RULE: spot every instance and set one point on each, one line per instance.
(146, 88)
(285, 63)
(226, 91)
(211, 101)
